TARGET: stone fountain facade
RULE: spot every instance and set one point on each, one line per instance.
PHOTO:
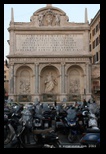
(49, 58)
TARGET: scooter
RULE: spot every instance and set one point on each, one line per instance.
(29, 137)
(91, 137)
(72, 125)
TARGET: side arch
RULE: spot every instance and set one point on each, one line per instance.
(24, 80)
(75, 82)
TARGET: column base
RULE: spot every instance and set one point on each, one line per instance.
(36, 98)
(87, 96)
(63, 97)
(11, 97)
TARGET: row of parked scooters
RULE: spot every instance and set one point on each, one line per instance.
(36, 125)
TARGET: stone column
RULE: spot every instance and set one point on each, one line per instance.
(88, 82)
(12, 43)
(14, 84)
(63, 94)
(89, 78)
(85, 80)
(36, 78)
(11, 81)
(62, 77)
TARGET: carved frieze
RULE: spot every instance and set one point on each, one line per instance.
(41, 60)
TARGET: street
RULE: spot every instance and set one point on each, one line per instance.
(64, 143)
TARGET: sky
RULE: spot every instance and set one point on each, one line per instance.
(23, 12)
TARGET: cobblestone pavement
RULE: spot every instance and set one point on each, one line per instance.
(66, 144)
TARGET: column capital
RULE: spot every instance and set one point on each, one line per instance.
(62, 63)
(11, 64)
(36, 64)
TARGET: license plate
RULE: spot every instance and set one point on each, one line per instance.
(80, 122)
(46, 125)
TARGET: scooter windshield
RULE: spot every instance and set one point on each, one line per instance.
(93, 107)
(71, 114)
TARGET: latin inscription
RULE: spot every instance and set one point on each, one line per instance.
(49, 43)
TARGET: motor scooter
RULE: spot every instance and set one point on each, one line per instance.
(91, 137)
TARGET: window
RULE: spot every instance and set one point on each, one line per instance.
(99, 55)
(99, 24)
(90, 47)
(96, 28)
(93, 44)
(96, 41)
(99, 39)
(4, 76)
(93, 59)
(93, 32)
(96, 56)
(90, 36)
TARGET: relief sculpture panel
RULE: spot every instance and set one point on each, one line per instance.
(74, 82)
(24, 82)
(75, 86)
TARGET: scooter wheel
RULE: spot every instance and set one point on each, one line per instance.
(72, 138)
(53, 125)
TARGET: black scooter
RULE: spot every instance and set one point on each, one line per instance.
(91, 137)
(29, 137)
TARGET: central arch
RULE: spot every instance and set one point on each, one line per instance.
(49, 83)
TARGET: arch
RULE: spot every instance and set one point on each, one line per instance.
(44, 66)
(24, 80)
(17, 67)
(49, 80)
(78, 67)
(75, 81)
(51, 8)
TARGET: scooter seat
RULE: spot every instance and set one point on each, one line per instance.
(90, 130)
(44, 131)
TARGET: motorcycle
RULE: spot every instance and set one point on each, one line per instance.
(91, 137)
(72, 125)
(28, 137)
(48, 117)
(60, 119)
(9, 131)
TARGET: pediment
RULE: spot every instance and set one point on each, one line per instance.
(54, 9)
(47, 16)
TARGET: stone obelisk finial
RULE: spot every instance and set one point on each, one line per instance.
(12, 15)
(86, 16)
(49, 5)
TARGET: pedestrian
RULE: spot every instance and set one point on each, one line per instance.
(94, 101)
(84, 103)
(89, 101)
(55, 103)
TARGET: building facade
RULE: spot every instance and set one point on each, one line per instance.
(6, 78)
(95, 50)
(49, 58)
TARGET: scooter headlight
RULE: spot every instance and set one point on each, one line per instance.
(71, 123)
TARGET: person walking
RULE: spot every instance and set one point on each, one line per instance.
(84, 103)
